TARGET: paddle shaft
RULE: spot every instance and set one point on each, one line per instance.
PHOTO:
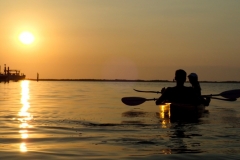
(133, 101)
(147, 91)
(232, 94)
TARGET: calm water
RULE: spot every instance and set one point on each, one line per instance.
(87, 120)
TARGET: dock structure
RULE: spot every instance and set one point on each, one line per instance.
(11, 74)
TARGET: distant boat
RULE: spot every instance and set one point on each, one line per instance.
(11, 75)
(3, 77)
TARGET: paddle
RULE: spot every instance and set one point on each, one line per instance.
(225, 99)
(232, 94)
(147, 91)
(134, 101)
(227, 94)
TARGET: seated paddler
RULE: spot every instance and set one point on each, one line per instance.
(180, 93)
(193, 79)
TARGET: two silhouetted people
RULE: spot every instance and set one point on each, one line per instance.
(179, 93)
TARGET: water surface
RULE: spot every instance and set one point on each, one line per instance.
(87, 120)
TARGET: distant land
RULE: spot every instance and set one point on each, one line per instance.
(125, 80)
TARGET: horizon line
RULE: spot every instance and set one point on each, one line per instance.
(120, 80)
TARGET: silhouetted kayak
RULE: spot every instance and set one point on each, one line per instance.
(187, 110)
(182, 111)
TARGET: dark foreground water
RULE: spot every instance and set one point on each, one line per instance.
(87, 120)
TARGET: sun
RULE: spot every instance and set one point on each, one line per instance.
(26, 37)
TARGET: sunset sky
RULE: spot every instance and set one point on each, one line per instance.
(122, 39)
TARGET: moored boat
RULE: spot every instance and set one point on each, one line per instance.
(13, 75)
(3, 77)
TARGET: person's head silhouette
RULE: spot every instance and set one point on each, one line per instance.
(180, 76)
(193, 78)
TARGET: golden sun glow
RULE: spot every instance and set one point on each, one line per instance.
(26, 37)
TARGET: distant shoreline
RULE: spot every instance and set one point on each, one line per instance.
(124, 80)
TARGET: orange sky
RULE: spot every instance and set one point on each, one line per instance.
(137, 39)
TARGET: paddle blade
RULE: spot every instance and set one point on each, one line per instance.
(232, 94)
(227, 99)
(133, 101)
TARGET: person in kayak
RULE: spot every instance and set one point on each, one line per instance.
(193, 79)
(179, 93)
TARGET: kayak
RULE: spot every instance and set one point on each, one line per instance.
(182, 111)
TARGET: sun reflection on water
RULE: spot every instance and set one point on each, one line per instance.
(165, 114)
(24, 116)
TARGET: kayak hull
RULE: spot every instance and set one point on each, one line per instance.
(182, 111)
(187, 110)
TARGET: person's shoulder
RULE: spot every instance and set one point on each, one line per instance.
(168, 90)
(190, 89)
(187, 87)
